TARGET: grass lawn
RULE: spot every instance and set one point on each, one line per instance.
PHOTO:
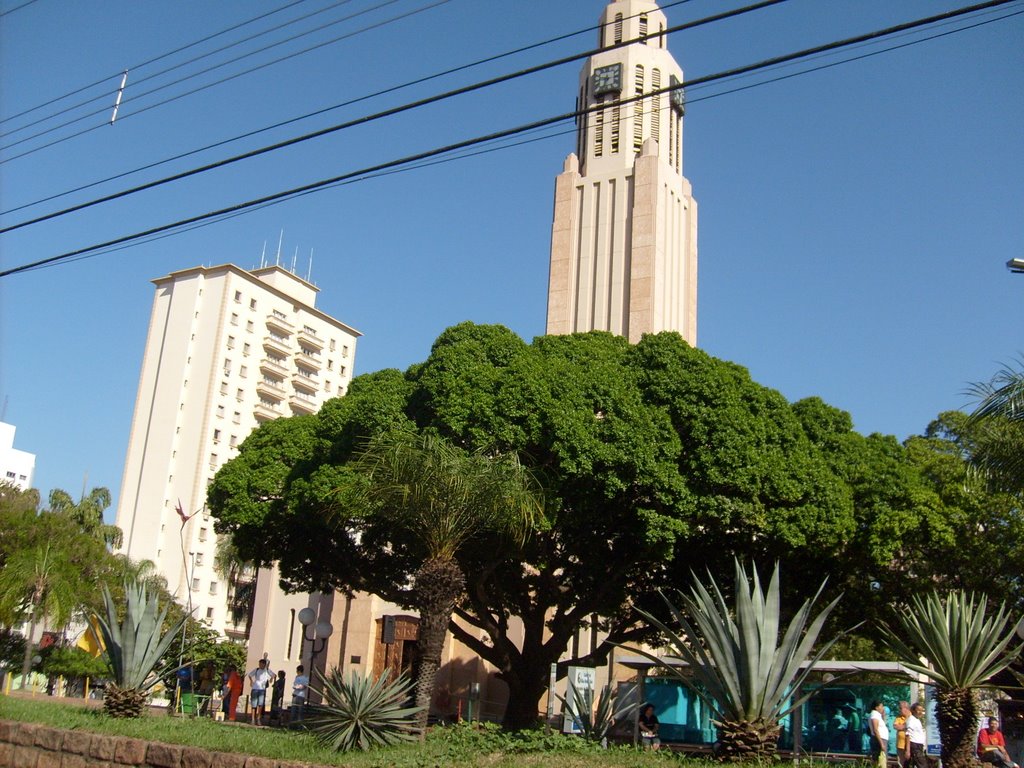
(457, 746)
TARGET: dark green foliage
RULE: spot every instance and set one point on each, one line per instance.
(657, 459)
(71, 662)
(361, 712)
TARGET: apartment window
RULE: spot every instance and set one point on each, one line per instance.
(185, 385)
(332, 345)
(234, 441)
(197, 315)
(220, 411)
(234, 318)
(330, 365)
(231, 342)
(227, 366)
(238, 295)
(243, 371)
(236, 418)
(195, 585)
(213, 461)
(252, 303)
(216, 435)
(344, 351)
(245, 349)
(213, 587)
(341, 389)
(199, 558)
(239, 394)
(202, 534)
(12, 475)
(341, 370)
(223, 387)
(249, 326)
(209, 613)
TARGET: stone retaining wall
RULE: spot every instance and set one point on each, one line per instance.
(29, 745)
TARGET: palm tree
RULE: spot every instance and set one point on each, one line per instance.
(436, 497)
(87, 513)
(40, 583)
(737, 665)
(241, 577)
(959, 648)
(998, 449)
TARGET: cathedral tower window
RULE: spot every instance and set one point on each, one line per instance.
(638, 110)
(656, 105)
(618, 27)
(615, 128)
(643, 26)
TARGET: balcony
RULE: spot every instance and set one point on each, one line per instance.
(271, 388)
(308, 335)
(306, 382)
(264, 412)
(311, 362)
(273, 366)
(277, 344)
(279, 321)
(302, 403)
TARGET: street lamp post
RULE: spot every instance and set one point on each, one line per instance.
(316, 634)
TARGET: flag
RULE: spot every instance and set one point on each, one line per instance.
(181, 513)
(91, 640)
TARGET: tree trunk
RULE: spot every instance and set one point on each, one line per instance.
(957, 710)
(747, 741)
(524, 694)
(26, 662)
(439, 583)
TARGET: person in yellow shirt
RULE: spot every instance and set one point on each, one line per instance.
(900, 726)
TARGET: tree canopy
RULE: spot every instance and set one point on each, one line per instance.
(657, 459)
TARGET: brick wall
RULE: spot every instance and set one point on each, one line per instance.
(29, 745)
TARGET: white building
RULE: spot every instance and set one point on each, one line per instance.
(227, 349)
(624, 235)
(16, 467)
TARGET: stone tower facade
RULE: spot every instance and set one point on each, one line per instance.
(624, 234)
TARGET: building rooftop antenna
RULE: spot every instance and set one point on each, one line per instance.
(280, 239)
(263, 256)
(309, 269)
(295, 257)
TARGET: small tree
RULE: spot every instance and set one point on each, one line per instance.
(958, 647)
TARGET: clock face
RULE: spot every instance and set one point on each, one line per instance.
(677, 97)
(608, 79)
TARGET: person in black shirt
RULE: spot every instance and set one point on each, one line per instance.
(649, 725)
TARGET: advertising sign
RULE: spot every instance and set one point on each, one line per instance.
(584, 680)
(931, 722)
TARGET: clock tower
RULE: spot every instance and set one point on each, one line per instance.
(624, 235)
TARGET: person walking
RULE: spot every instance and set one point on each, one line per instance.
(916, 740)
(232, 691)
(879, 731)
(259, 680)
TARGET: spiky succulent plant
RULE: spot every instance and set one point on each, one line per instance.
(594, 721)
(965, 645)
(362, 711)
(736, 662)
(133, 646)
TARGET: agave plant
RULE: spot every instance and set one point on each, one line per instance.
(363, 711)
(737, 665)
(594, 722)
(133, 648)
(958, 647)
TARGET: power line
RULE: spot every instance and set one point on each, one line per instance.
(174, 231)
(140, 65)
(17, 8)
(221, 81)
(385, 113)
(764, 64)
(318, 112)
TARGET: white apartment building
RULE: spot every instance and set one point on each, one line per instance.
(624, 230)
(226, 350)
(16, 467)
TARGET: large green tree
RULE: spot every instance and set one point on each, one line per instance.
(656, 457)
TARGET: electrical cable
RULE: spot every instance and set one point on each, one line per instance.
(318, 112)
(764, 64)
(556, 134)
(17, 8)
(386, 113)
(146, 63)
(221, 81)
(146, 78)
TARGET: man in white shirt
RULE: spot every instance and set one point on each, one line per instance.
(879, 734)
(918, 757)
(259, 680)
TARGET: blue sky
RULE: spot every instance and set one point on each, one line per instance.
(854, 222)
